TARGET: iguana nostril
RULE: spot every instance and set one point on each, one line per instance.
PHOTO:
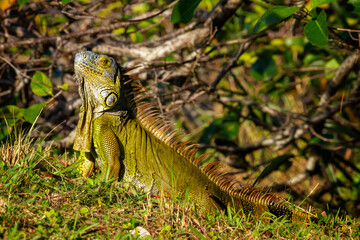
(79, 57)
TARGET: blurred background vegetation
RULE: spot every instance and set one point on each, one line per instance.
(272, 88)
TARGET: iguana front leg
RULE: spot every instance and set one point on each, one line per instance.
(87, 164)
(107, 149)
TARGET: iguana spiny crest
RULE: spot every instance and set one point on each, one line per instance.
(124, 132)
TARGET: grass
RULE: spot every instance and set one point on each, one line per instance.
(36, 204)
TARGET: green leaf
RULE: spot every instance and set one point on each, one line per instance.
(72, 168)
(12, 111)
(315, 3)
(65, 1)
(355, 5)
(41, 84)
(273, 16)
(64, 87)
(5, 129)
(197, 233)
(228, 129)
(210, 131)
(31, 113)
(22, 2)
(316, 30)
(140, 8)
(10, 116)
(84, 211)
(263, 68)
(90, 181)
(274, 165)
(184, 11)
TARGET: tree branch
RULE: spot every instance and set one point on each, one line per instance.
(33, 41)
(219, 15)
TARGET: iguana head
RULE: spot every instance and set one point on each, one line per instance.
(98, 77)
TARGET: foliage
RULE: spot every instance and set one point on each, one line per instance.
(41, 84)
(274, 16)
(316, 30)
(270, 88)
(184, 11)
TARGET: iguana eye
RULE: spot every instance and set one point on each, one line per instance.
(104, 61)
(111, 99)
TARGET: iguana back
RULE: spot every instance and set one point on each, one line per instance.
(128, 137)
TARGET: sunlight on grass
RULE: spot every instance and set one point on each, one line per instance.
(22, 150)
(36, 203)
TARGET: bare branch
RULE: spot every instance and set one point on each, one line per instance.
(334, 85)
(33, 41)
(220, 14)
(231, 63)
(147, 54)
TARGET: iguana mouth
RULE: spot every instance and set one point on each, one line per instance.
(79, 78)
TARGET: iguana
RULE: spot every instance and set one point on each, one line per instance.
(126, 136)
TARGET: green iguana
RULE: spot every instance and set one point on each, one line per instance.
(127, 136)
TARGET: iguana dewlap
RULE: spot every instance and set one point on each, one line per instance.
(128, 138)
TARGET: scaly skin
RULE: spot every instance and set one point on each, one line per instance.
(128, 139)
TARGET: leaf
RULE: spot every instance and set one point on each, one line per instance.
(273, 16)
(315, 3)
(316, 30)
(274, 164)
(5, 129)
(90, 181)
(353, 6)
(12, 111)
(210, 131)
(197, 233)
(228, 129)
(140, 8)
(72, 168)
(41, 84)
(65, 1)
(184, 11)
(84, 211)
(64, 87)
(264, 67)
(331, 64)
(11, 114)
(22, 2)
(31, 113)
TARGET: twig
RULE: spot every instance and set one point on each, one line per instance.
(15, 68)
(244, 46)
(221, 13)
(32, 41)
(312, 130)
(66, 142)
(148, 54)
(246, 102)
(335, 83)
